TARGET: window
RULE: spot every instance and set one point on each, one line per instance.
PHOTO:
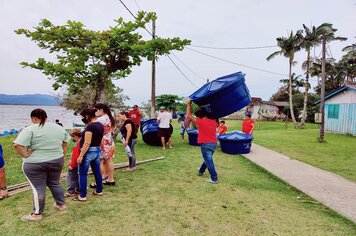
(333, 111)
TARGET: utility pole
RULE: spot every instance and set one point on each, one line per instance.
(153, 85)
(322, 92)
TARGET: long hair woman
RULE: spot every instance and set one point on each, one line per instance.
(43, 146)
(90, 153)
(107, 145)
(129, 138)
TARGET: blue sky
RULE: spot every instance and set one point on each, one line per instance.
(230, 23)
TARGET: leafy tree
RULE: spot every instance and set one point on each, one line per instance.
(86, 96)
(288, 46)
(298, 100)
(310, 39)
(91, 58)
(169, 101)
(347, 64)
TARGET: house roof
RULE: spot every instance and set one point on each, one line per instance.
(280, 103)
(343, 88)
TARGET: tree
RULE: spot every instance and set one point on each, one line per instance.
(310, 39)
(169, 101)
(288, 46)
(347, 64)
(94, 58)
(327, 35)
(86, 96)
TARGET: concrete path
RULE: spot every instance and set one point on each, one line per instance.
(330, 189)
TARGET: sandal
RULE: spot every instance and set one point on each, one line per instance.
(97, 194)
(77, 198)
(92, 185)
(60, 208)
(70, 194)
(109, 183)
(32, 217)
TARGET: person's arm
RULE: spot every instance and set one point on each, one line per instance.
(252, 128)
(189, 111)
(87, 140)
(128, 134)
(75, 154)
(22, 151)
(65, 148)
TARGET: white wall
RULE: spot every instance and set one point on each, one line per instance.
(346, 96)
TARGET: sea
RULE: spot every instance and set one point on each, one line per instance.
(18, 116)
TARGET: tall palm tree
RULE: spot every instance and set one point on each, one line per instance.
(310, 39)
(327, 33)
(348, 64)
(288, 46)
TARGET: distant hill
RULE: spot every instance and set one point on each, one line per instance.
(29, 99)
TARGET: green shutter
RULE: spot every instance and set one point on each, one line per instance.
(333, 111)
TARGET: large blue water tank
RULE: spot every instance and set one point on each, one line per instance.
(223, 96)
(149, 130)
(235, 142)
(193, 137)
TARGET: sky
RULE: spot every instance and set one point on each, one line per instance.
(229, 23)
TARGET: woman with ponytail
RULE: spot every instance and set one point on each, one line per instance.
(43, 146)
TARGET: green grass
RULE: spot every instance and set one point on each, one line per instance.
(337, 155)
(168, 198)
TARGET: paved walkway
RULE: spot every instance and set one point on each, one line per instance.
(330, 189)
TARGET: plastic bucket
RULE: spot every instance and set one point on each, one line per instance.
(223, 96)
(193, 137)
(149, 130)
(235, 143)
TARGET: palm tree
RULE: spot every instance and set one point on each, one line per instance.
(288, 46)
(347, 64)
(326, 31)
(297, 82)
(310, 39)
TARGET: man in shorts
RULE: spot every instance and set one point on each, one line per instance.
(164, 120)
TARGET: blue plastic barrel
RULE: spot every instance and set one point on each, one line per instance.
(149, 130)
(235, 142)
(6, 133)
(223, 96)
(193, 137)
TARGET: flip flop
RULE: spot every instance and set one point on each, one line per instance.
(92, 185)
(31, 217)
(97, 194)
(2, 197)
(109, 183)
(77, 198)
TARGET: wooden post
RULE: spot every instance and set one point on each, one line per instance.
(322, 92)
(153, 85)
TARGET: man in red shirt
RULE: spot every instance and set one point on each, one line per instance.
(207, 140)
(248, 125)
(135, 115)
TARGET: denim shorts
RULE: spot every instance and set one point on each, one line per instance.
(2, 162)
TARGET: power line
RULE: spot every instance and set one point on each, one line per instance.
(181, 72)
(233, 48)
(235, 63)
(202, 77)
(138, 6)
(167, 55)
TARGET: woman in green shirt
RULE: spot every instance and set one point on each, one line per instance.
(42, 146)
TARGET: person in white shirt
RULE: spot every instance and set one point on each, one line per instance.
(164, 120)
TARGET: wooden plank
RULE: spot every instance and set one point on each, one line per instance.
(22, 187)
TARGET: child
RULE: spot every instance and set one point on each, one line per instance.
(222, 129)
(72, 173)
(182, 125)
(3, 189)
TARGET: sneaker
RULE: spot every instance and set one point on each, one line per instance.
(212, 181)
(198, 171)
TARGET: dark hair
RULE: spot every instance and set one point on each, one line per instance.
(201, 113)
(222, 121)
(88, 113)
(248, 115)
(107, 111)
(75, 132)
(40, 114)
(125, 113)
(57, 120)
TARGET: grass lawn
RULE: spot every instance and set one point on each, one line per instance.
(168, 198)
(337, 155)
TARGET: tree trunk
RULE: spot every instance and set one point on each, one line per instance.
(306, 87)
(153, 82)
(291, 95)
(322, 92)
(100, 90)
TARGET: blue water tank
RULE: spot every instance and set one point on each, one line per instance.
(223, 96)
(149, 130)
(193, 137)
(235, 142)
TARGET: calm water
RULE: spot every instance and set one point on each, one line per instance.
(17, 116)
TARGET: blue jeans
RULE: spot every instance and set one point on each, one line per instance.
(92, 159)
(207, 150)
